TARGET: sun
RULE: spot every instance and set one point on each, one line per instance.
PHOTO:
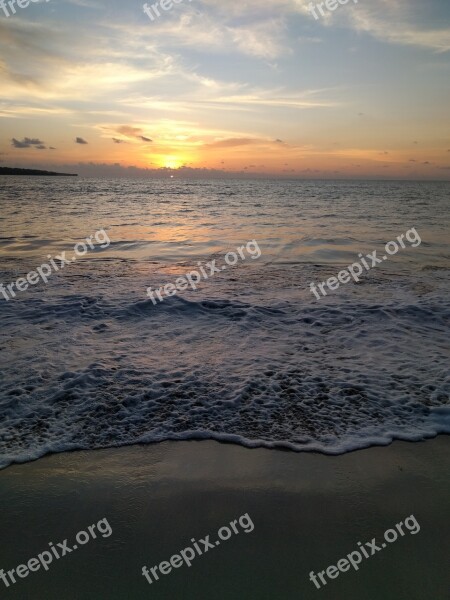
(171, 162)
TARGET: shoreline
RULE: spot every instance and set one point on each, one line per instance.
(309, 510)
(236, 440)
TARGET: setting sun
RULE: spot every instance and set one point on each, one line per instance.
(171, 162)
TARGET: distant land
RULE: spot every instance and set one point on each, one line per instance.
(11, 171)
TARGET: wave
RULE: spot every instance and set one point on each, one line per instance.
(307, 378)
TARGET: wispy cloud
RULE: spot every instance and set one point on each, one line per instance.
(395, 21)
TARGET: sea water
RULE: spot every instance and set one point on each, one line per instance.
(251, 356)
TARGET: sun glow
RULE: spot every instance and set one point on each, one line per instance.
(171, 162)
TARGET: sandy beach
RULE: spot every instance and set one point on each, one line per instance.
(308, 511)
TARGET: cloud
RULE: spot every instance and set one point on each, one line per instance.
(117, 141)
(232, 143)
(27, 143)
(132, 132)
(396, 22)
(55, 63)
(18, 144)
(235, 142)
(262, 36)
(80, 140)
(261, 40)
(276, 99)
(87, 4)
(16, 111)
(92, 169)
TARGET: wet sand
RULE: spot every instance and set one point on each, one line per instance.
(309, 511)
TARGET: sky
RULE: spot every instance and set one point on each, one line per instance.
(254, 87)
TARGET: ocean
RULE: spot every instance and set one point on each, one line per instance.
(251, 356)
